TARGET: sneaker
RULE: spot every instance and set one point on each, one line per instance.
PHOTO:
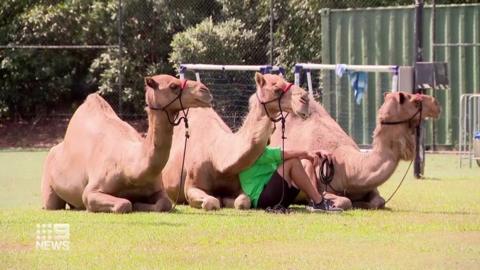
(325, 206)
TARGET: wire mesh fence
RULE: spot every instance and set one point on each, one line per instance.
(53, 53)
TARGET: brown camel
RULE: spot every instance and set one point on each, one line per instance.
(357, 174)
(104, 164)
(212, 167)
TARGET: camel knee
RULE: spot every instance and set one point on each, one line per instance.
(122, 206)
(343, 203)
(210, 203)
(242, 202)
(100, 202)
(50, 199)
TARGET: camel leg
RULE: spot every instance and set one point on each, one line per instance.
(338, 201)
(375, 200)
(161, 203)
(241, 202)
(101, 202)
(372, 200)
(198, 198)
(50, 199)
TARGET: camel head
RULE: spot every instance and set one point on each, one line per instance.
(163, 92)
(271, 87)
(401, 106)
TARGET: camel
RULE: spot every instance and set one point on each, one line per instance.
(357, 174)
(212, 168)
(104, 165)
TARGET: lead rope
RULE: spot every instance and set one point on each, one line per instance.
(325, 175)
(409, 165)
(398, 187)
(187, 136)
(279, 208)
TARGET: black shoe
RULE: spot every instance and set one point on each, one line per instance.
(325, 206)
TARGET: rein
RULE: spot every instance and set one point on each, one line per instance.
(278, 208)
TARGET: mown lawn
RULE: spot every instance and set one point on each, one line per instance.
(431, 224)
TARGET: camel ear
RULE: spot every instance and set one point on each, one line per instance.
(151, 82)
(259, 79)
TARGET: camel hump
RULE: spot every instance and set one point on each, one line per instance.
(96, 102)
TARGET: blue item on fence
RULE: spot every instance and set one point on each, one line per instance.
(359, 82)
(477, 135)
(340, 69)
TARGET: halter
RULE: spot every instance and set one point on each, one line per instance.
(176, 120)
(278, 99)
(419, 111)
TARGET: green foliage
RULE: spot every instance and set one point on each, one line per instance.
(33, 81)
(156, 36)
(211, 43)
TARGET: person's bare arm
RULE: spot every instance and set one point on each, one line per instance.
(313, 156)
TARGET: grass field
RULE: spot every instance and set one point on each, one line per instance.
(431, 224)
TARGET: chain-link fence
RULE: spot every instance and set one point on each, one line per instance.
(53, 53)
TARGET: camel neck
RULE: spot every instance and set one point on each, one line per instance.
(251, 139)
(390, 145)
(158, 141)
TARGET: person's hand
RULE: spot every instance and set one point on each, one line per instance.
(324, 154)
(313, 158)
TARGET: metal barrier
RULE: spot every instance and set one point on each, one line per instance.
(469, 117)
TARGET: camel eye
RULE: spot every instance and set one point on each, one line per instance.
(174, 86)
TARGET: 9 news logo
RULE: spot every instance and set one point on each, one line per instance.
(53, 236)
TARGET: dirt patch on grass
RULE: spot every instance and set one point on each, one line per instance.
(15, 247)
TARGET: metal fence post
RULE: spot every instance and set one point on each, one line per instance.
(271, 32)
(120, 57)
(418, 57)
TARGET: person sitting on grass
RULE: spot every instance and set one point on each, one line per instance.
(269, 186)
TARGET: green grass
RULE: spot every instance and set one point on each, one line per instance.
(432, 224)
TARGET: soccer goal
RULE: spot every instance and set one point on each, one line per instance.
(231, 86)
(332, 85)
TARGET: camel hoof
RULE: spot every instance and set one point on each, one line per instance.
(242, 202)
(211, 204)
(123, 207)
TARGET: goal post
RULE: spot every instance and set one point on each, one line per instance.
(230, 85)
